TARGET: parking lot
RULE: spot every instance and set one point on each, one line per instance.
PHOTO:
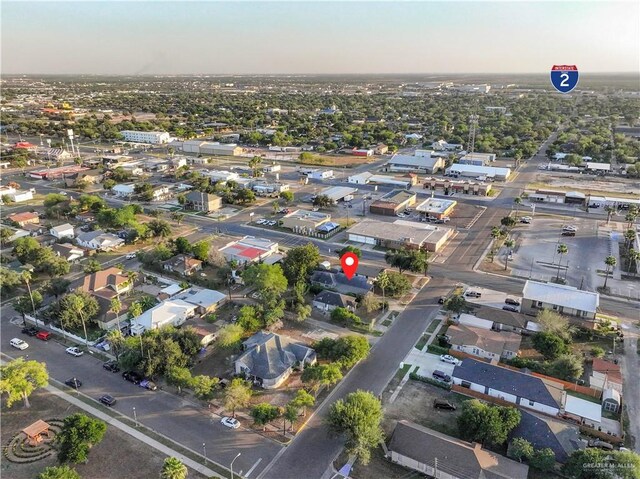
(535, 255)
(490, 297)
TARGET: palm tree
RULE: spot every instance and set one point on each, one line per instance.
(517, 201)
(173, 469)
(383, 282)
(26, 277)
(116, 339)
(254, 164)
(629, 236)
(116, 307)
(76, 305)
(561, 250)
(610, 210)
(177, 217)
(610, 261)
(133, 276)
(509, 244)
(633, 257)
(496, 233)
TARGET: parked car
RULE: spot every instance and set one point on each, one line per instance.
(440, 375)
(526, 219)
(569, 228)
(511, 301)
(442, 404)
(442, 299)
(568, 233)
(601, 444)
(447, 358)
(107, 400)
(73, 351)
(148, 384)
(131, 256)
(30, 330)
(260, 221)
(19, 344)
(132, 377)
(111, 366)
(473, 294)
(513, 309)
(231, 422)
(44, 335)
(73, 383)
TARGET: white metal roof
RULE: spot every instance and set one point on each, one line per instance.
(561, 295)
(481, 170)
(420, 161)
(336, 193)
(586, 409)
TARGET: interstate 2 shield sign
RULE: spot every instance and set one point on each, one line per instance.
(564, 77)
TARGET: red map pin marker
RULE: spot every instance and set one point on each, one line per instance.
(349, 263)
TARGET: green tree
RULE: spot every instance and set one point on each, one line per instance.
(303, 400)
(508, 222)
(55, 266)
(287, 196)
(485, 423)
(289, 413)
(57, 288)
(399, 285)
(78, 435)
(370, 303)
(358, 417)
(455, 303)
(347, 350)
(517, 201)
(561, 249)
(550, 345)
(159, 228)
(78, 308)
(254, 164)
(610, 210)
(552, 322)
(321, 375)
(349, 249)
(593, 463)
(322, 201)
(26, 249)
(230, 335)
(28, 304)
(108, 184)
(92, 266)
(508, 244)
(610, 262)
(344, 316)
(237, 395)
(244, 196)
(181, 245)
(303, 311)
(179, 377)
(383, 282)
(203, 386)
(270, 284)
(135, 310)
(200, 250)
(566, 366)
(300, 262)
(173, 468)
(9, 280)
(248, 319)
(520, 449)
(543, 459)
(58, 472)
(263, 414)
(19, 378)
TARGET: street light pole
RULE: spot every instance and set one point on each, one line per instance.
(234, 460)
(135, 417)
(204, 450)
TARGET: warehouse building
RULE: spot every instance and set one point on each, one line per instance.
(393, 203)
(449, 187)
(211, 148)
(416, 164)
(360, 178)
(478, 159)
(400, 234)
(154, 137)
(436, 208)
(501, 174)
(339, 193)
(304, 221)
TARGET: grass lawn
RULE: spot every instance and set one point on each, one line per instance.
(134, 458)
(386, 322)
(586, 397)
(423, 341)
(434, 324)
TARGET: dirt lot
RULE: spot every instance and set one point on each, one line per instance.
(134, 459)
(587, 183)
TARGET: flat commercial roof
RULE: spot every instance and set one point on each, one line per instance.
(397, 196)
(336, 193)
(416, 233)
(561, 295)
(435, 205)
(481, 170)
(308, 215)
(586, 409)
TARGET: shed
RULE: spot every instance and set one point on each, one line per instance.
(611, 400)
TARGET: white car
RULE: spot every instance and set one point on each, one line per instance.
(19, 344)
(446, 358)
(74, 351)
(131, 256)
(231, 422)
(260, 221)
(570, 228)
(526, 219)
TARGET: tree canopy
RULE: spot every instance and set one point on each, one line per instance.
(78, 435)
(486, 423)
(19, 378)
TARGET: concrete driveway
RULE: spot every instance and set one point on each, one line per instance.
(427, 363)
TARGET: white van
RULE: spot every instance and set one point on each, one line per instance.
(19, 344)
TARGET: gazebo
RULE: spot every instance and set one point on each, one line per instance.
(35, 431)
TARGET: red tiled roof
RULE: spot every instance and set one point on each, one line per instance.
(24, 144)
(612, 370)
(251, 253)
(26, 216)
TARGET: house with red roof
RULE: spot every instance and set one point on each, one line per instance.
(249, 250)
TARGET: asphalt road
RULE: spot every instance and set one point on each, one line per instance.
(162, 411)
(309, 455)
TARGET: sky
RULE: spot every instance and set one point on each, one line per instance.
(162, 37)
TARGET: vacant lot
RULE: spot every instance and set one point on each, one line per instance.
(134, 458)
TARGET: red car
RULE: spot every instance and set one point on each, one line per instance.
(44, 335)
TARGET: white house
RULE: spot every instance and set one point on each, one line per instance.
(563, 299)
(525, 390)
(321, 174)
(123, 190)
(18, 196)
(484, 343)
(172, 312)
(360, 178)
(62, 231)
(99, 240)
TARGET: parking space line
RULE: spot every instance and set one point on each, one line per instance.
(253, 467)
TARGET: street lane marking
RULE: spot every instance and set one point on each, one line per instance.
(253, 467)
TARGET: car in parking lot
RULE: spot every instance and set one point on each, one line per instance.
(569, 228)
(260, 221)
(148, 384)
(73, 383)
(442, 299)
(130, 256)
(511, 301)
(473, 294)
(73, 351)
(30, 330)
(230, 422)
(447, 358)
(526, 219)
(44, 335)
(132, 377)
(568, 233)
(513, 309)
(442, 376)
(107, 400)
(443, 404)
(19, 344)
(111, 366)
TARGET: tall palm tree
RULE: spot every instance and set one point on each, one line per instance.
(610, 210)
(383, 283)
(509, 244)
(26, 277)
(517, 201)
(115, 308)
(629, 236)
(611, 262)
(116, 339)
(76, 305)
(133, 276)
(633, 258)
(562, 249)
(173, 469)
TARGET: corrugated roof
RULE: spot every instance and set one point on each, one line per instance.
(561, 295)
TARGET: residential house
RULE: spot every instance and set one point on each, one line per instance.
(182, 264)
(172, 312)
(528, 391)
(269, 358)
(200, 201)
(206, 332)
(605, 375)
(123, 190)
(484, 343)
(99, 240)
(26, 218)
(504, 320)
(161, 193)
(62, 231)
(560, 298)
(444, 457)
(249, 250)
(340, 283)
(88, 177)
(330, 300)
(69, 252)
(205, 300)
(562, 437)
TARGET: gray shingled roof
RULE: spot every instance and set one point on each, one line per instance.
(335, 299)
(505, 380)
(357, 284)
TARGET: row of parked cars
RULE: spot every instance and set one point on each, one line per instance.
(266, 222)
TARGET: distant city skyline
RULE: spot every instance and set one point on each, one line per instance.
(173, 38)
